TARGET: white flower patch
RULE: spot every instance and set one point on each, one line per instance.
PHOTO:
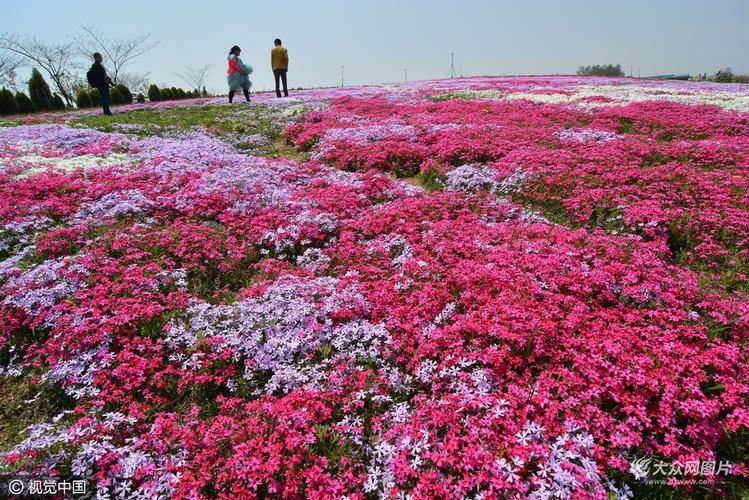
(619, 94)
(471, 178)
(34, 164)
(626, 94)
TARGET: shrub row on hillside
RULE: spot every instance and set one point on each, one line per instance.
(119, 94)
(171, 93)
(13, 104)
(39, 98)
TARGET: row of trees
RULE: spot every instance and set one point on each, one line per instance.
(169, 93)
(119, 94)
(39, 98)
(64, 63)
(13, 104)
(726, 75)
(600, 70)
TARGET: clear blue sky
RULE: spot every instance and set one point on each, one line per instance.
(376, 40)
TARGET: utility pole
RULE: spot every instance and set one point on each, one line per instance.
(452, 65)
(342, 81)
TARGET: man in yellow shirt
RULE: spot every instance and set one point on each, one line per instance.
(279, 60)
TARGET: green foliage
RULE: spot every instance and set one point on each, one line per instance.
(140, 98)
(39, 92)
(24, 103)
(154, 94)
(8, 105)
(181, 93)
(166, 94)
(205, 92)
(682, 238)
(57, 102)
(116, 96)
(404, 165)
(626, 126)
(607, 216)
(432, 179)
(332, 445)
(549, 203)
(83, 99)
(725, 75)
(601, 70)
(127, 96)
(26, 402)
(95, 97)
(734, 448)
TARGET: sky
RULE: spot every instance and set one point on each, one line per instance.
(378, 40)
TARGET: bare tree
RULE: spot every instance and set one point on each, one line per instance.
(136, 82)
(78, 84)
(57, 60)
(195, 77)
(9, 63)
(118, 51)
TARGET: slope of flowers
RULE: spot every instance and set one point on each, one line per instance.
(567, 296)
(655, 169)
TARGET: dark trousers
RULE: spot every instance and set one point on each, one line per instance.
(280, 74)
(104, 91)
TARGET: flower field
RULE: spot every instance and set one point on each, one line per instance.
(478, 288)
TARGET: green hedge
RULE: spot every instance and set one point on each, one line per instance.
(25, 105)
(127, 96)
(83, 99)
(115, 96)
(154, 94)
(8, 105)
(39, 92)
